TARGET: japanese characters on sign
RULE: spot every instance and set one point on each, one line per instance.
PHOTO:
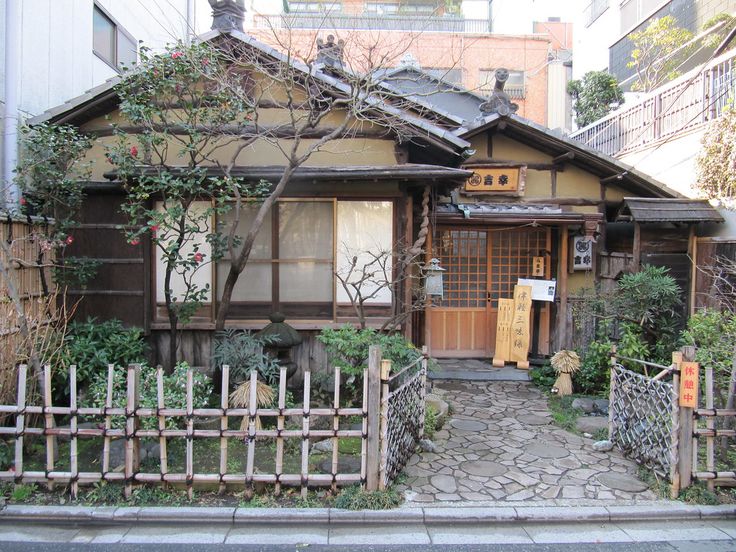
(689, 384)
(503, 332)
(520, 323)
(496, 179)
(538, 267)
(582, 253)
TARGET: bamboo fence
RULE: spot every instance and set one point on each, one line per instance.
(251, 433)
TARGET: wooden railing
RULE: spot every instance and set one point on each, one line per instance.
(326, 21)
(684, 104)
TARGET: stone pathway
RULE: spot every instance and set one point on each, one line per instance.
(499, 445)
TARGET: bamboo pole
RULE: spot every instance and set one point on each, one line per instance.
(190, 434)
(336, 427)
(688, 443)
(252, 413)
(612, 393)
(423, 391)
(160, 402)
(20, 420)
(710, 425)
(385, 395)
(675, 444)
(305, 435)
(364, 433)
(48, 421)
(73, 424)
(373, 408)
(108, 422)
(279, 429)
(132, 449)
(224, 398)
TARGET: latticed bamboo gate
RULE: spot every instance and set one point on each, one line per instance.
(384, 451)
(652, 425)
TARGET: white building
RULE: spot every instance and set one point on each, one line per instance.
(58, 49)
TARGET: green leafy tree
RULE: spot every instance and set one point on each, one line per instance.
(716, 162)
(595, 95)
(658, 52)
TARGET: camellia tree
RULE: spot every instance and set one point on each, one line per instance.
(177, 107)
(595, 95)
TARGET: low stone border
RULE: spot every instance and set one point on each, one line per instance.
(428, 516)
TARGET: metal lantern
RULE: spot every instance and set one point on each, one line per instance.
(433, 283)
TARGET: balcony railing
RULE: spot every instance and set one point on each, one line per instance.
(326, 21)
(686, 103)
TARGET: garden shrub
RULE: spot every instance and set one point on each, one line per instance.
(543, 376)
(714, 335)
(243, 352)
(91, 346)
(174, 393)
(355, 498)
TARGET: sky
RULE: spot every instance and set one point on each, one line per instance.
(510, 16)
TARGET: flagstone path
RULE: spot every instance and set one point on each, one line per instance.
(499, 445)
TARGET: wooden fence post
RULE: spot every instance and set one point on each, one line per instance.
(20, 421)
(132, 445)
(612, 392)
(675, 478)
(374, 418)
(383, 464)
(423, 391)
(686, 446)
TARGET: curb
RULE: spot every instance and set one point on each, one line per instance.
(332, 516)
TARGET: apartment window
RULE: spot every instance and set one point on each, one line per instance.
(315, 7)
(453, 75)
(633, 12)
(515, 86)
(418, 9)
(111, 42)
(381, 8)
(594, 10)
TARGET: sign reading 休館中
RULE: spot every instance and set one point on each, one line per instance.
(689, 384)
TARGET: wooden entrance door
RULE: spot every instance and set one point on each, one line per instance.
(482, 266)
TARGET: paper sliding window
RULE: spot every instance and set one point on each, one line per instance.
(364, 233)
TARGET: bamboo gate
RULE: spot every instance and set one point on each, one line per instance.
(650, 423)
(391, 414)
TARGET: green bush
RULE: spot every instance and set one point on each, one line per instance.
(714, 335)
(174, 393)
(543, 376)
(91, 346)
(243, 352)
(430, 422)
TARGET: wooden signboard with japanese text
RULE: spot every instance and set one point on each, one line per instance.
(520, 326)
(496, 179)
(503, 332)
(689, 374)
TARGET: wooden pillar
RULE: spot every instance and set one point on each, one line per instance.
(407, 291)
(636, 250)
(373, 454)
(685, 463)
(692, 252)
(562, 310)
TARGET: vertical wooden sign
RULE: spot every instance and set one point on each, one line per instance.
(520, 326)
(503, 332)
(689, 384)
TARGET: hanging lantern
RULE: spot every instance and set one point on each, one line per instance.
(434, 285)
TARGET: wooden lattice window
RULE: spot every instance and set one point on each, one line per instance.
(511, 257)
(463, 253)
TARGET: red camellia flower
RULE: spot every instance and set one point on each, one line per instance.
(198, 257)
(154, 228)
(69, 240)
(176, 55)
(134, 151)
(135, 241)
(22, 200)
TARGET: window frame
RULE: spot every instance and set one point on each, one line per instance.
(118, 31)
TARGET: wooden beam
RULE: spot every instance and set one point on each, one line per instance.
(567, 156)
(562, 312)
(636, 250)
(615, 177)
(243, 131)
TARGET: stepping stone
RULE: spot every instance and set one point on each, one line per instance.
(546, 451)
(444, 483)
(483, 468)
(591, 424)
(533, 420)
(468, 425)
(622, 482)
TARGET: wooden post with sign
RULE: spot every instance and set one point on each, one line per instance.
(520, 326)
(502, 352)
(688, 401)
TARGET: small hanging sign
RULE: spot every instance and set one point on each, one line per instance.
(582, 253)
(538, 267)
(689, 384)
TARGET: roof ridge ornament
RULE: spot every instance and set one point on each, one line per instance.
(228, 15)
(499, 101)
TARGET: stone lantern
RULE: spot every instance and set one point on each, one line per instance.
(281, 337)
